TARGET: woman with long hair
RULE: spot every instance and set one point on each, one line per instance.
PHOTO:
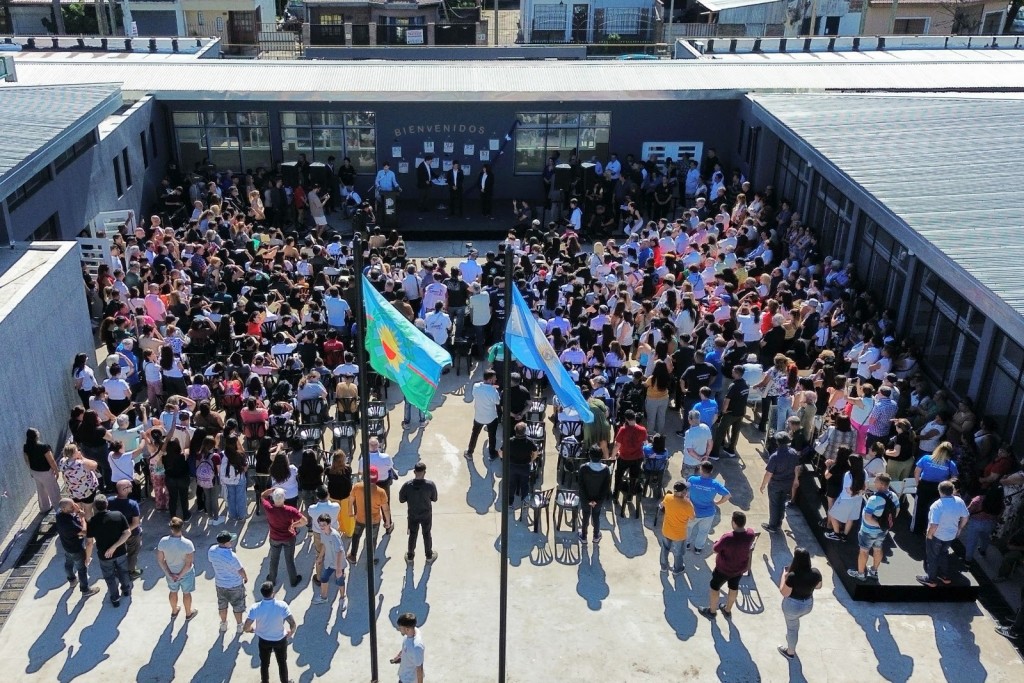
(285, 475)
(80, 475)
(177, 479)
(172, 373)
(846, 510)
(657, 397)
(156, 443)
(339, 488)
(310, 477)
(930, 471)
(233, 469)
(798, 582)
(41, 464)
(84, 378)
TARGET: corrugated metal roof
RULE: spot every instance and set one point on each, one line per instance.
(328, 81)
(37, 119)
(719, 5)
(947, 167)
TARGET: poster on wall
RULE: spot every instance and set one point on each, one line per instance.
(434, 163)
(495, 145)
(403, 167)
(428, 147)
(466, 170)
(485, 155)
(396, 152)
(468, 150)
(449, 147)
(414, 36)
(419, 160)
(447, 165)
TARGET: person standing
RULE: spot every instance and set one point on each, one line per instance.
(229, 578)
(331, 559)
(698, 442)
(419, 493)
(268, 619)
(629, 448)
(323, 506)
(732, 561)
(947, 517)
(704, 494)
(424, 176)
(111, 532)
(734, 407)
(522, 453)
(44, 470)
(882, 506)
(456, 185)
(595, 488)
(485, 183)
(77, 547)
(379, 510)
(781, 479)
(284, 521)
(128, 507)
(486, 400)
(678, 513)
(175, 555)
(410, 657)
(797, 584)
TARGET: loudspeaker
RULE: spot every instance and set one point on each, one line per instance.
(290, 173)
(563, 177)
(319, 173)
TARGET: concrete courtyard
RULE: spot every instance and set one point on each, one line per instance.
(576, 613)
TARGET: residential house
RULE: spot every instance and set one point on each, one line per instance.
(591, 21)
(382, 22)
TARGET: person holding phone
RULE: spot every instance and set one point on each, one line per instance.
(797, 584)
(410, 658)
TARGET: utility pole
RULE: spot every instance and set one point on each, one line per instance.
(503, 501)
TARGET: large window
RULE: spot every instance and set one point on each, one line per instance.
(233, 141)
(539, 136)
(790, 177)
(29, 188)
(1003, 397)
(48, 231)
(74, 151)
(830, 215)
(948, 331)
(881, 262)
(320, 134)
(549, 23)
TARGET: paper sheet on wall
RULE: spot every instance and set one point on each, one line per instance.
(419, 160)
(428, 147)
(447, 165)
(494, 145)
(485, 155)
(403, 167)
(468, 150)
(465, 169)
(449, 147)
(396, 152)
(434, 163)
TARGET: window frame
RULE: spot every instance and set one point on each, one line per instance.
(539, 125)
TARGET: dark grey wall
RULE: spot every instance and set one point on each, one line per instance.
(40, 336)
(86, 186)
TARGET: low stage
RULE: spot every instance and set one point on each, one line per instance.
(904, 558)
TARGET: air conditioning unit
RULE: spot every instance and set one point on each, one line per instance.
(10, 74)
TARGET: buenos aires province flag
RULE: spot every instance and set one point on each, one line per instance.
(529, 346)
(400, 352)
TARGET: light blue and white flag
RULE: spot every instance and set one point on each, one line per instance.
(529, 346)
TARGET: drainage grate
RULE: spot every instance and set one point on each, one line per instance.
(19, 577)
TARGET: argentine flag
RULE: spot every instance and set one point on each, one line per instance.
(529, 346)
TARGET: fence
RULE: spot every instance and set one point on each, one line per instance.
(267, 41)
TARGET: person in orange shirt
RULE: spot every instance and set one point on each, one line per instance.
(379, 510)
(678, 512)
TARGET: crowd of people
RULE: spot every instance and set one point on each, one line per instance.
(230, 339)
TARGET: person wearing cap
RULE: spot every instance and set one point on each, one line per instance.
(229, 579)
(678, 512)
(267, 619)
(781, 479)
(175, 555)
(284, 521)
(379, 510)
(419, 494)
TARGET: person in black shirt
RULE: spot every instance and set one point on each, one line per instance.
(458, 301)
(797, 584)
(698, 375)
(780, 478)
(595, 484)
(111, 532)
(44, 470)
(521, 453)
(419, 493)
(71, 528)
(518, 398)
(730, 416)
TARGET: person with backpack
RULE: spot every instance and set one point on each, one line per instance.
(207, 465)
(876, 520)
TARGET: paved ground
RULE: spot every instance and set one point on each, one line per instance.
(575, 614)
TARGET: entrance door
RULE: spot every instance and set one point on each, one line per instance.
(580, 23)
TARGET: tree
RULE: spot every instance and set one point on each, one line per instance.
(76, 19)
(965, 16)
(58, 17)
(1011, 14)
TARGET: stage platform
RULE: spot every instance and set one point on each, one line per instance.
(436, 224)
(904, 558)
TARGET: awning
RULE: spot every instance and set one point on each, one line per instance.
(719, 5)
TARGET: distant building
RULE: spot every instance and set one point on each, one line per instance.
(381, 22)
(591, 21)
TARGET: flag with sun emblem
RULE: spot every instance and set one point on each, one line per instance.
(530, 347)
(400, 352)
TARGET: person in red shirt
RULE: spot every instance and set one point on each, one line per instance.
(732, 560)
(629, 448)
(334, 350)
(284, 521)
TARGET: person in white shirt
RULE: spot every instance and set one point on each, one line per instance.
(575, 216)
(267, 619)
(614, 167)
(438, 324)
(434, 292)
(559, 321)
(479, 316)
(470, 269)
(410, 658)
(573, 355)
(486, 400)
(947, 517)
(338, 310)
(229, 579)
(868, 356)
(697, 444)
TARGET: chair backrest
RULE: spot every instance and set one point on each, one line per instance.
(570, 448)
(567, 498)
(535, 430)
(571, 428)
(282, 358)
(268, 327)
(376, 409)
(543, 497)
(312, 409)
(254, 430)
(375, 427)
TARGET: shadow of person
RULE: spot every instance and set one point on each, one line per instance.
(51, 640)
(219, 666)
(893, 665)
(734, 661)
(97, 637)
(314, 645)
(591, 578)
(629, 537)
(741, 493)
(480, 495)
(520, 542)
(675, 594)
(165, 653)
(414, 596)
(52, 577)
(355, 623)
